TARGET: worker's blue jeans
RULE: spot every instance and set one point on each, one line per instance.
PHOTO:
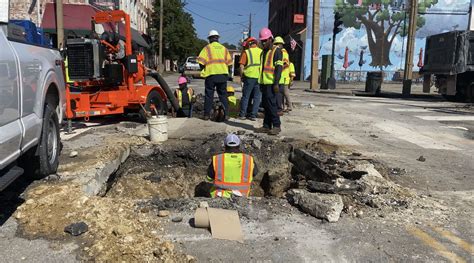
(250, 88)
(269, 99)
(221, 87)
(280, 96)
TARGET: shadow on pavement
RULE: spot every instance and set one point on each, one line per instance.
(240, 125)
(12, 197)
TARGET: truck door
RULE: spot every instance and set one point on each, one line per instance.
(10, 127)
(33, 69)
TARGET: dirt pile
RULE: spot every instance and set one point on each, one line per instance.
(118, 229)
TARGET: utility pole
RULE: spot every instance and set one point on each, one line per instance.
(315, 47)
(250, 24)
(471, 18)
(160, 56)
(408, 72)
(38, 12)
(59, 24)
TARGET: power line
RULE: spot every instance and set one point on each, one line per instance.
(222, 11)
(211, 20)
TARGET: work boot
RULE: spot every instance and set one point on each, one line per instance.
(275, 131)
(262, 130)
(280, 113)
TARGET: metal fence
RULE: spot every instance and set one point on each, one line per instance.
(360, 76)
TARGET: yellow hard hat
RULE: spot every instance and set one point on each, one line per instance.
(230, 89)
(278, 40)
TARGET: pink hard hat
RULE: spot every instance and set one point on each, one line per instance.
(265, 34)
(182, 80)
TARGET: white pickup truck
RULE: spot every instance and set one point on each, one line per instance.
(32, 104)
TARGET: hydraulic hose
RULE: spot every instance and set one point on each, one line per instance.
(166, 89)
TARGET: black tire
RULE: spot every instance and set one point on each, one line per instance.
(164, 86)
(154, 98)
(49, 147)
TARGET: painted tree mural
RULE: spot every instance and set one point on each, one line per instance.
(383, 20)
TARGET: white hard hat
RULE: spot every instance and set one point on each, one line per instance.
(213, 33)
(232, 140)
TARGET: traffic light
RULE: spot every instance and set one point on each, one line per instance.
(337, 23)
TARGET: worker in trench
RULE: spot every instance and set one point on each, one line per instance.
(231, 172)
(186, 98)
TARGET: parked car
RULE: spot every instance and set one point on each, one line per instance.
(32, 104)
(191, 67)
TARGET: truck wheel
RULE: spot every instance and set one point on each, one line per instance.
(154, 98)
(49, 147)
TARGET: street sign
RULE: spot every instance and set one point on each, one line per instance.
(298, 19)
(4, 8)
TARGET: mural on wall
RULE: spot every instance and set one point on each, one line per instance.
(378, 28)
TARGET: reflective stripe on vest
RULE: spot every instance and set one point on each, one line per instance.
(215, 58)
(252, 69)
(268, 69)
(233, 171)
(180, 96)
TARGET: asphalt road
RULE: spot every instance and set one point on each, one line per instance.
(391, 129)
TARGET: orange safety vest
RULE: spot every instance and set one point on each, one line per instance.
(232, 171)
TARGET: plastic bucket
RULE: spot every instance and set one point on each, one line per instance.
(158, 128)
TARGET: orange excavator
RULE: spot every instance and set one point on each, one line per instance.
(107, 76)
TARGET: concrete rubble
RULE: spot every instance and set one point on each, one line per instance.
(323, 206)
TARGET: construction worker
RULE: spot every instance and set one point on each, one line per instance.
(285, 73)
(250, 71)
(218, 114)
(270, 80)
(215, 60)
(185, 98)
(231, 172)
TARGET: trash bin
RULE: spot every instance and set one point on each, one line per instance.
(373, 83)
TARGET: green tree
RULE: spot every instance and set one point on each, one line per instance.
(229, 46)
(179, 35)
(382, 23)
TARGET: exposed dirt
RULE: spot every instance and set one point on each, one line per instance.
(123, 225)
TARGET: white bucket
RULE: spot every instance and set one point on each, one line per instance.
(158, 128)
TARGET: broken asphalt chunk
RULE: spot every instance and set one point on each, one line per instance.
(76, 229)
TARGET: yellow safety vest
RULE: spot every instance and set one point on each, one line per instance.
(216, 60)
(285, 74)
(252, 69)
(268, 68)
(66, 63)
(179, 95)
(292, 73)
(232, 171)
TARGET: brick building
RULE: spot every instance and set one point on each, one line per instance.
(139, 10)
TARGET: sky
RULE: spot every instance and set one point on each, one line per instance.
(228, 17)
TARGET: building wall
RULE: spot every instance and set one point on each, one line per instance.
(27, 9)
(281, 14)
(139, 10)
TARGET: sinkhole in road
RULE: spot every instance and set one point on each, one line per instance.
(173, 175)
(178, 168)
